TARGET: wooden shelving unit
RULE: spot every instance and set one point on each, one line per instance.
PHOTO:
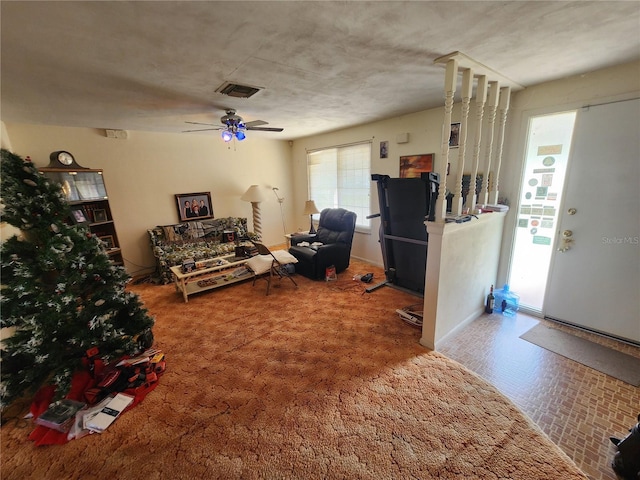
(86, 193)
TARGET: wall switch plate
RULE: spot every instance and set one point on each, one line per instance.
(402, 138)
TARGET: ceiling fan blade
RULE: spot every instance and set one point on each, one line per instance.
(202, 130)
(200, 123)
(256, 123)
(266, 129)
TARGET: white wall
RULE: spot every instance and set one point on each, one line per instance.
(144, 172)
(462, 261)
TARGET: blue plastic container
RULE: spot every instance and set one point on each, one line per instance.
(506, 302)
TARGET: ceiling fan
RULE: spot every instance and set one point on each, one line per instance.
(234, 126)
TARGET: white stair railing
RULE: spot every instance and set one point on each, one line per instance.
(467, 89)
(488, 82)
(481, 98)
(441, 161)
(503, 107)
(491, 109)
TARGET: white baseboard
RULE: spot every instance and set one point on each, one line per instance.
(366, 260)
(473, 316)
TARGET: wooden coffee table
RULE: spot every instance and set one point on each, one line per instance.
(209, 274)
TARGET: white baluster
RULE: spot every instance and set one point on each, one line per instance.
(440, 166)
(492, 106)
(481, 98)
(503, 107)
(467, 88)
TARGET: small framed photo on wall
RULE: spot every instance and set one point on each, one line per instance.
(454, 138)
(384, 149)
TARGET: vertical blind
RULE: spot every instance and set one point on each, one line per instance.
(341, 177)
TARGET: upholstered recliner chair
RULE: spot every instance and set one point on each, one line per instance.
(335, 234)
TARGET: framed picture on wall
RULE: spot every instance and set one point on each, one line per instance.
(384, 149)
(194, 206)
(454, 138)
(411, 166)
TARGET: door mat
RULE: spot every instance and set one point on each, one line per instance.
(603, 359)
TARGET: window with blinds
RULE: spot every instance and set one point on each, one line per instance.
(341, 177)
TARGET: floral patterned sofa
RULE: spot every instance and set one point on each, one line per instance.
(200, 240)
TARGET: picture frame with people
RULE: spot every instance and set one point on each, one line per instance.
(79, 216)
(192, 206)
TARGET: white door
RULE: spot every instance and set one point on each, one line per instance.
(594, 280)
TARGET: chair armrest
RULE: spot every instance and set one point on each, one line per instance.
(331, 248)
(305, 254)
(332, 253)
(296, 239)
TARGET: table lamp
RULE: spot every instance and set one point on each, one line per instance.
(309, 209)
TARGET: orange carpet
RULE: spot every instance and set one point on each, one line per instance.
(319, 382)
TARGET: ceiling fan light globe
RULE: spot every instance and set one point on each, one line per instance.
(240, 135)
(227, 135)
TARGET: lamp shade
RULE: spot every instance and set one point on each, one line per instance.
(254, 195)
(227, 135)
(310, 208)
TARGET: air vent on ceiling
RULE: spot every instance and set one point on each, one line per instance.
(237, 90)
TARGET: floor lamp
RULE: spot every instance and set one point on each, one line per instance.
(309, 209)
(280, 201)
(255, 196)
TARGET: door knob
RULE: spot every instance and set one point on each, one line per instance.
(567, 240)
(572, 211)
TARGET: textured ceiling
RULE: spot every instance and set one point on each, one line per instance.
(322, 65)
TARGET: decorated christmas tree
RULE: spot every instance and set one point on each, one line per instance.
(60, 292)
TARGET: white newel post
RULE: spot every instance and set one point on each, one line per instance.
(492, 106)
(467, 88)
(503, 107)
(481, 98)
(440, 166)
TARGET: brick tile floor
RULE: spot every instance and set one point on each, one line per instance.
(576, 406)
